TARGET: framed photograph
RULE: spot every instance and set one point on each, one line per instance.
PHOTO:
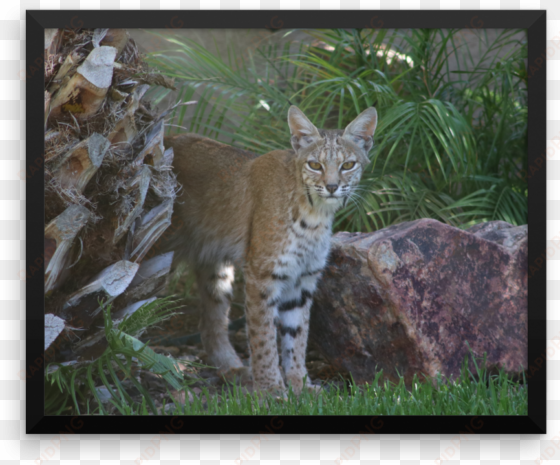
(316, 222)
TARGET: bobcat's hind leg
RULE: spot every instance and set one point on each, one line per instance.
(215, 288)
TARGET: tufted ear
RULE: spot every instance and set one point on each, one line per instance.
(304, 133)
(360, 131)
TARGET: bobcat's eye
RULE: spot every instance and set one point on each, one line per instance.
(348, 165)
(314, 165)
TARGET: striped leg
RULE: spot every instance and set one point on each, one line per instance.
(293, 315)
(215, 288)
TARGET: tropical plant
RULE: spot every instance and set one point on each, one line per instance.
(451, 140)
(109, 195)
(69, 385)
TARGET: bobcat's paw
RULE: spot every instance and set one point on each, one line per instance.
(240, 376)
(277, 391)
(298, 385)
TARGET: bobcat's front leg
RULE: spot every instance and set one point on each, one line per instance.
(293, 312)
(262, 338)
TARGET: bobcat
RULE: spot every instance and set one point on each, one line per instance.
(272, 215)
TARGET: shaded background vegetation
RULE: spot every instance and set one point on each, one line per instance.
(451, 142)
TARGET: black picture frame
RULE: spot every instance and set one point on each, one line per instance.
(532, 20)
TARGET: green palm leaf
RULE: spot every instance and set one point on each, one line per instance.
(451, 139)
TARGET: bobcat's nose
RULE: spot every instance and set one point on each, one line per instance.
(332, 188)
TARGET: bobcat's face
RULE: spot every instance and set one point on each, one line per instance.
(333, 167)
(332, 162)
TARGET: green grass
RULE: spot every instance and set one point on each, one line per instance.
(470, 394)
(73, 389)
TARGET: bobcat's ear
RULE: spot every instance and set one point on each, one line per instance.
(360, 131)
(304, 133)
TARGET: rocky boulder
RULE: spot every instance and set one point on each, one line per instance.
(407, 299)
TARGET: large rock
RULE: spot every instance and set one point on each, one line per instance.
(407, 299)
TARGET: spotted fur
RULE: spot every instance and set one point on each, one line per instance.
(273, 216)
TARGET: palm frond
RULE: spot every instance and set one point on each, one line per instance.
(451, 139)
(124, 355)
